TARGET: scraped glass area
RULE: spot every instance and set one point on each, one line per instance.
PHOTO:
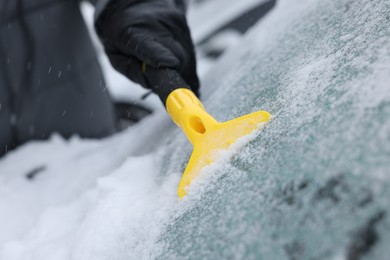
(315, 183)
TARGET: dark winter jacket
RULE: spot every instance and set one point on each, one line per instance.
(50, 80)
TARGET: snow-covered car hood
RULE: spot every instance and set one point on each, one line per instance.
(314, 184)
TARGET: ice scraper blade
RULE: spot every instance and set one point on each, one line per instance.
(207, 135)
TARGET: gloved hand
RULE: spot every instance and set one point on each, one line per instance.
(143, 34)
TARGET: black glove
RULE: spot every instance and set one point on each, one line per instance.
(143, 34)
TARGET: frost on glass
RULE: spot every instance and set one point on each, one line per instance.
(315, 183)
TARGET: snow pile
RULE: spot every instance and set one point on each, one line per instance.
(69, 208)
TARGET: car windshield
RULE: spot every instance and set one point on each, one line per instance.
(319, 171)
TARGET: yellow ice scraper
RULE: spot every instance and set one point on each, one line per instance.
(207, 135)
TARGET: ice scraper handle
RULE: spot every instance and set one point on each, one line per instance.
(164, 81)
(181, 102)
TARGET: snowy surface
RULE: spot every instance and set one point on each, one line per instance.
(314, 184)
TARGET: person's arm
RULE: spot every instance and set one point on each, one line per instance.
(147, 34)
